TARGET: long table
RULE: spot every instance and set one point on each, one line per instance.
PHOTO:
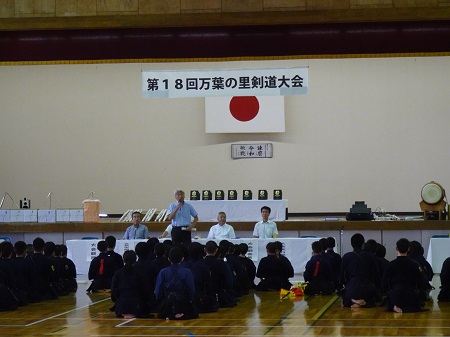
(298, 250)
(239, 210)
(438, 251)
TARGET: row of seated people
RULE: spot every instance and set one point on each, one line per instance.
(32, 275)
(220, 273)
(360, 276)
(364, 278)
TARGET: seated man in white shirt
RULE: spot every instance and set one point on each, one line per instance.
(265, 229)
(221, 230)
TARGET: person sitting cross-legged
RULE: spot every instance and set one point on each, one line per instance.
(175, 289)
(130, 291)
(205, 297)
(272, 271)
(101, 270)
(359, 274)
(404, 280)
(318, 273)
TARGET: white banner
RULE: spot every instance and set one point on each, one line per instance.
(225, 82)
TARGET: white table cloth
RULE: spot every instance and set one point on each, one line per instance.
(297, 250)
(239, 210)
(438, 251)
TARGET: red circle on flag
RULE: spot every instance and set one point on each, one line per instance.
(244, 108)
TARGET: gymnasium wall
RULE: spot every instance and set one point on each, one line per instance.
(373, 129)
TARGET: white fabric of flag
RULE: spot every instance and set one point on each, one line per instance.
(244, 114)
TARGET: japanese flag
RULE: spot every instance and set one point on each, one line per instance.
(242, 114)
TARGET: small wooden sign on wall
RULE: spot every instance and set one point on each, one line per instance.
(239, 151)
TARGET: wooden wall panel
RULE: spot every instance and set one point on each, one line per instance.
(107, 7)
(6, 9)
(242, 5)
(201, 6)
(81, 8)
(159, 7)
(70, 14)
(76, 8)
(327, 4)
(259, 19)
(226, 42)
(284, 5)
(415, 3)
(357, 4)
(34, 8)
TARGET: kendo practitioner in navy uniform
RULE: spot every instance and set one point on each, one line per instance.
(101, 270)
(222, 279)
(130, 290)
(318, 273)
(359, 274)
(38, 271)
(404, 280)
(175, 289)
(273, 272)
(205, 299)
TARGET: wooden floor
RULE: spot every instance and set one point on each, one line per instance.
(257, 314)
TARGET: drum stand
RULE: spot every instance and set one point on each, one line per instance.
(439, 207)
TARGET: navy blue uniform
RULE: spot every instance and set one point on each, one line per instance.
(117, 258)
(336, 261)
(205, 299)
(69, 274)
(222, 281)
(444, 293)
(7, 300)
(250, 269)
(240, 281)
(274, 274)
(404, 279)
(131, 292)
(101, 272)
(21, 290)
(359, 274)
(175, 291)
(38, 271)
(319, 276)
(155, 266)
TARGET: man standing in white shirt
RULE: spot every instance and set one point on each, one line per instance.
(222, 230)
(265, 229)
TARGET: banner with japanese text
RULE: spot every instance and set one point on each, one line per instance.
(225, 82)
